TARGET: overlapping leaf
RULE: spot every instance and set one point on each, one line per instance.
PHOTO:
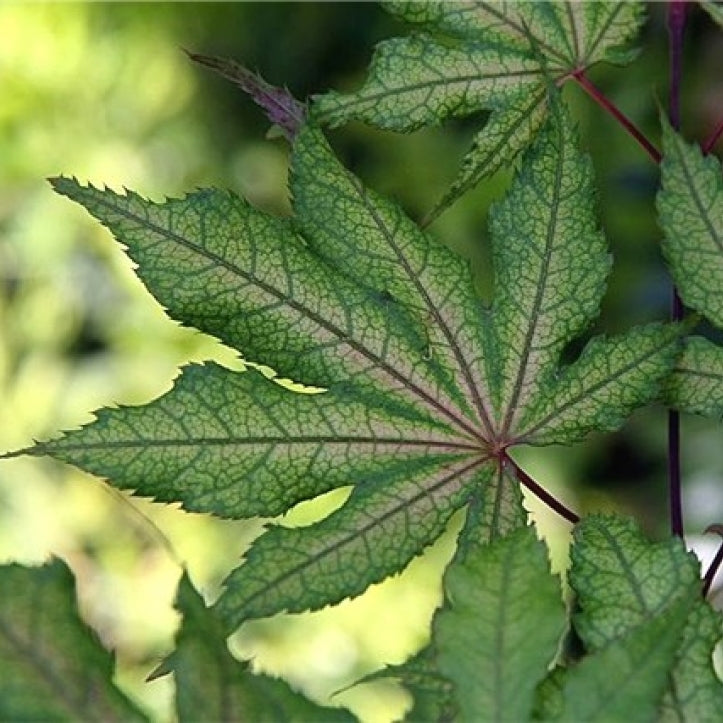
(427, 389)
(212, 685)
(52, 666)
(615, 569)
(505, 599)
(472, 56)
(690, 206)
(625, 679)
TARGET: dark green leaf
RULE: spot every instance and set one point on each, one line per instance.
(52, 666)
(212, 685)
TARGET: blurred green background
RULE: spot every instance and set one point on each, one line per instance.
(104, 92)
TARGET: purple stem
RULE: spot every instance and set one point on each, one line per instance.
(676, 27)
(551, 501)
(604, 102)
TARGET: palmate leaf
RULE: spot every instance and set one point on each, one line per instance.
(427, 389)
(615, 568)
(472, 56)
(690, 206)
(212, 685)
(52, 666)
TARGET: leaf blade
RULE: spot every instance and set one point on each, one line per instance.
(488, 600)
(610, 379)
(696, 383)
(550, 264)
(416, 81)
(625, 679)
(236, 275)
(614, 567)
(240, 445)
(388, 252)
(374, 534)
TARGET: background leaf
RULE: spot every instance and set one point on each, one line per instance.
(212, 685)
(496, 56)
(52, 666)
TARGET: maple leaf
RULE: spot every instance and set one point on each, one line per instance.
(428, 390)
(690, 207)
(472, 56)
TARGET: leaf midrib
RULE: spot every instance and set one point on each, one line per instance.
(539, 295)
(241, 441)
(689, 179)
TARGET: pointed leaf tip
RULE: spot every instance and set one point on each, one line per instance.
(281, 108)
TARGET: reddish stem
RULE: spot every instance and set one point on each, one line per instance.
(604, 102)
(713, 138)
(551, 501)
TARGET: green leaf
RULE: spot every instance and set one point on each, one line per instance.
(625, 679)
(695, 692)
(212, 685)
(491, 56)
(615, 568)
(495, 511)
(52, 666)
(696, 384)
(389, 253)
(504, 598)
(248, 279)
(610, 379)
(428, 390)
(690, 206)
